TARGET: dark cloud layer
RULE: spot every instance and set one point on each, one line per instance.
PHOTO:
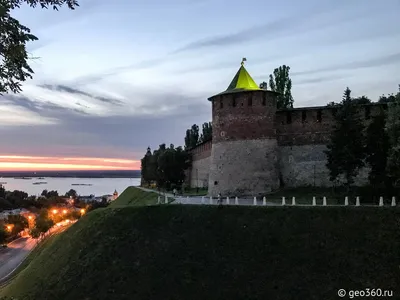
(71, 90)
(45, 109)
(80, 134)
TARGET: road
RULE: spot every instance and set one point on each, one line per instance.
(12, 256)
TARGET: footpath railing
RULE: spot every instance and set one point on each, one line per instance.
(263, 201)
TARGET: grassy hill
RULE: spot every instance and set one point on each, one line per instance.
(201, 252)
(133, 196)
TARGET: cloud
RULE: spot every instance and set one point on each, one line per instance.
(375, 62)
(77, 134)
(141, 65)
(70, 90)
(304, 81)
(47, 109)
(287, 26)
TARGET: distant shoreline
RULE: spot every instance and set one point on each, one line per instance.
(65, 176)
(28, 175)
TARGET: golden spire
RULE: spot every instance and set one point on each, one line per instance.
(243, 60)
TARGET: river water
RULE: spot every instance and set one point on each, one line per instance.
(95, 186)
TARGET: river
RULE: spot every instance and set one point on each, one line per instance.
(95, 186)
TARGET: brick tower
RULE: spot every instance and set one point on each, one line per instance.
(244, 158)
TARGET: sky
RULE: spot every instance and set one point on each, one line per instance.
(114, 77)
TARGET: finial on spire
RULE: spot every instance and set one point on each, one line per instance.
(243, 60)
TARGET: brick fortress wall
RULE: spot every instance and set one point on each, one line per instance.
(244, 147)
(201, 161)
(302, 135)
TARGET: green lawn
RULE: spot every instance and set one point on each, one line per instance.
(195, 192)
(132, 196)
(183, 252)
(187, 191)
(305, 196)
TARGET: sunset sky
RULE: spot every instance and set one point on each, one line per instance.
(114, 77)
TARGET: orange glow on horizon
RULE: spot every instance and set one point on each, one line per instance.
(45, 163)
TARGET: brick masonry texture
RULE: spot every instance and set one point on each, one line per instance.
(246, 167)
(254, 145)
(200, 172)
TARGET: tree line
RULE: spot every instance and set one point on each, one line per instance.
(354, 145)
(166, 166)
(40, 206)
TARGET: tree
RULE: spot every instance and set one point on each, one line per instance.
(362, 100)
(377, 148)
(14, 36)
(19, 223)
(263, 85)
(393, 132)
(96, 204)
(172, 164)
(16, 198)
(34, 233)
(206, 134)
(389, 98)
(280, 82)
(43, 222)
(345, 151)
(192, 137)
(3, 235)
(71, 193)
(165, 166)
(2, 191)
(146, 167)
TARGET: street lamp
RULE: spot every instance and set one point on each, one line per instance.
(9, 227)
(64, 211)
(55, 211)
(82, 211)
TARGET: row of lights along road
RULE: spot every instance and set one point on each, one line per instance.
(55, 211)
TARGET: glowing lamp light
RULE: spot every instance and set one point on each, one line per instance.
(64, 211)
(30, 217)
(9, 227)
(82, 211)
(55, 211)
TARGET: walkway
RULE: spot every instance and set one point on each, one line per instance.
(197, 200)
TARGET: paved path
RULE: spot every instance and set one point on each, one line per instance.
(197, 200)
(14, 254)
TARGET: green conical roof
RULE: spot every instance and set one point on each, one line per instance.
(241, 82)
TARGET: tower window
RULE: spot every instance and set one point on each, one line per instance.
(234, 102)
(250, 101)
(288, 117)
(221, 104)
(367, 112)
(264, 100)
(319, 116)
(303, 116)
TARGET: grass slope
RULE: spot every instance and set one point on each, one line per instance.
(205, 252)
(133, 196)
